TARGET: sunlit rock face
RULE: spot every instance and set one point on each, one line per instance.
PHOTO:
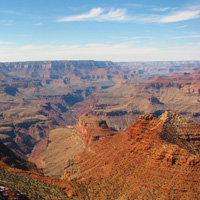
(153, 158)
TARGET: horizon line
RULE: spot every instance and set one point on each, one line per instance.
(63, 60)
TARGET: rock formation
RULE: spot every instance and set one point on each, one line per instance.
(67, 142)
(61, 91)
(153, 159)
(21, 180)
(123, 103)
(9, 159)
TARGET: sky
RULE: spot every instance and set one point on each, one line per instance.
(115, 30)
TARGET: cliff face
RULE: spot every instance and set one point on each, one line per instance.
(152, 159)
(9, 159)
(62, 144)
(61, 91)
(123, 103)
(23, 133)
(155, 158)
(36, 97)
(188, 83)
(63, 72)
(86, 125)
(76, 71)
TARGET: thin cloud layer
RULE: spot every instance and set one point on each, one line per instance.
(114, 52)
(163, 9)
(6, 23)
(100, 14)
(97, 14)
(181, 16)
(33, 47)
(5, 43)
(186, 36)
(84, 17)
(128, 32)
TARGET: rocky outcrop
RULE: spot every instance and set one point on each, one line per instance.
(86, 125)
(22, 134)
(152, 159)
(175, 129)
(9, 159)
(9, 193)
(67, 143)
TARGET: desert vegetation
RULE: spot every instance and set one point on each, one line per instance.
(32, 188)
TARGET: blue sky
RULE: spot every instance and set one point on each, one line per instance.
(99, 30)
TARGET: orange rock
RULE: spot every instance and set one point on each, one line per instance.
(149, 161)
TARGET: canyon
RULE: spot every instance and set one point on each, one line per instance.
(122, 104)
(154, 158)
(37, 97)
(102, 130)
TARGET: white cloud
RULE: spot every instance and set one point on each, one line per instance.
(97, 45)
(169, 18)
(114, 15)
(5, 43)
(115, 52)
(95, 12)
(33, 47)
(163, 9)
(181, 16)
(98, 14)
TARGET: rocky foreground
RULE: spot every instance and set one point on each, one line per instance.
(156, 158)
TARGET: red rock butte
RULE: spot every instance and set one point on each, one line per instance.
(156, 158)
